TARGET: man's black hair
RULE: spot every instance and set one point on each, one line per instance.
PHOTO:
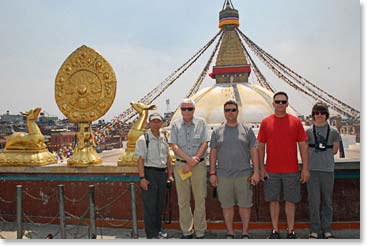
(280, 93)
(230, 102)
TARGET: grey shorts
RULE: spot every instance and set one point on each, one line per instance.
(286, 184)
(235, 191)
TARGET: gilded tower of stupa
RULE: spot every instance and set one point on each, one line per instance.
(231, 64)
(231, 73)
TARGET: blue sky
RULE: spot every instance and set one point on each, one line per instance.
(145, 41)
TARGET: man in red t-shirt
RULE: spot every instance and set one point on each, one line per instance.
(280, 133)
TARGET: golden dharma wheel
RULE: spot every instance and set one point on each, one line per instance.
(85, 86)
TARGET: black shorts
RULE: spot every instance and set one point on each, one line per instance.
(283, 186)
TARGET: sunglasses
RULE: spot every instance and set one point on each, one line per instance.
(280, 101)
(227, 110)
(187, 109)
(319, 113)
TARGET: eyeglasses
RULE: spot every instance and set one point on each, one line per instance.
(227, 110)
(319, 113)
(187, 109)
(280, 101)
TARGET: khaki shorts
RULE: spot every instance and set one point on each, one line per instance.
(235, 191)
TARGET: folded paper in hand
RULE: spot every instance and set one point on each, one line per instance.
(183, 175)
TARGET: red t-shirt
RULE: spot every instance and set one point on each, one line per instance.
(281, 136)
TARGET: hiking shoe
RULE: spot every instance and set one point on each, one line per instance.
(274, 235)
(313, 235)
(328, 235)
(292, 235)
(163, 234)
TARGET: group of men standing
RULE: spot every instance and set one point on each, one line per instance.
(237, 164)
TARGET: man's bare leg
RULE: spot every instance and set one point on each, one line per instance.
(245, 214)
(274, 213)
(290, 211)
(228, 214)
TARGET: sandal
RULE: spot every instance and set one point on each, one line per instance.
(229, 236)
(245, 236)
(313, 235)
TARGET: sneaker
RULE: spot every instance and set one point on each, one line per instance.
(328, 235)
(163, 234)
(274, 235)
(292, 235)
(313, 235)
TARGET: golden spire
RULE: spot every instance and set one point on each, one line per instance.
(228, 15)
(231, 65)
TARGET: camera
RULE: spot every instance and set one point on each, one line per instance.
(321, 146)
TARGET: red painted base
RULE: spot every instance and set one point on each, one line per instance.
(113, 204)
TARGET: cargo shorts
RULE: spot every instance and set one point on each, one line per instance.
(235, 191)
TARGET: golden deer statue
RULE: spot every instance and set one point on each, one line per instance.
(27, 149)
(138, 129)
(166, 134)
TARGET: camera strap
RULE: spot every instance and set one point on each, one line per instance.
(315, 137)
(146, 137)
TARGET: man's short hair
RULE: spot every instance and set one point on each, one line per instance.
(230, 102)
(188, 100)
(280, 93)
(320, 107)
